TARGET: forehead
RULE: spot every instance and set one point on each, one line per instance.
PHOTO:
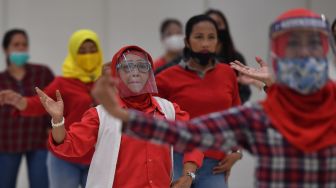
(204, 27)
(132, 57)
(88, 43)
(173, 27)
(302, 34)
(18, 37)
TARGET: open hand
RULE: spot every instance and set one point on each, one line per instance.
(54, 108)
(13, 98)
(262, 73)
(225, 165)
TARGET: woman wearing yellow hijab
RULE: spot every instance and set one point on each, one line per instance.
(82, 66)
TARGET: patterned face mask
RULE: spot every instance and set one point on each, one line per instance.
(304, 75)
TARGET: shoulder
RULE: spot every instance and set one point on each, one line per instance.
(38, 66)
(170, 70)
(223, 67)
(168, 75)
(39, 69)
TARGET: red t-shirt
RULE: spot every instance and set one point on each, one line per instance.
(217, 90)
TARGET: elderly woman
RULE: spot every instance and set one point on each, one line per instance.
(119, 160)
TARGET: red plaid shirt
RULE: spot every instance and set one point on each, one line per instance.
(17, 133)
(279, 163)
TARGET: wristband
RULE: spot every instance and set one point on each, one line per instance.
(54, 125)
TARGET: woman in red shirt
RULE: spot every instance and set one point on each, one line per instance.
(118, 161)
(81, 68)
(200, 85)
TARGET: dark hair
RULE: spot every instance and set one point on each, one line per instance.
(189, 27)
(195, 20)
(166, 23)
(9, 36)
(228, 49)
(333, 25)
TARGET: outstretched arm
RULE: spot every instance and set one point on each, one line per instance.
(220, 131)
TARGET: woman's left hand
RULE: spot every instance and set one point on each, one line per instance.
(225, 165)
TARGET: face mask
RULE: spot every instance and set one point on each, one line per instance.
(304, 75)
(174, 43)
(88, 62)
(19, 58)
(201, 58)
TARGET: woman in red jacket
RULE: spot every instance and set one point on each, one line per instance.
(119, 160)
(81, 68)
(200, 85)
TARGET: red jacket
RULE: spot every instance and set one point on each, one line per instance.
(140, 163)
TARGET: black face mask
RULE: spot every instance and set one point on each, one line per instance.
(202, 58)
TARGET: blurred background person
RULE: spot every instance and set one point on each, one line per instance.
(200, 84)
(171, 32)
(227, 51)
(81, 67)
(22, 136)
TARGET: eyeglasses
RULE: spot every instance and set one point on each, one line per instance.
(127, 67)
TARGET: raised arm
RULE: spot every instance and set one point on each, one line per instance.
(55, 110)
(255, 76)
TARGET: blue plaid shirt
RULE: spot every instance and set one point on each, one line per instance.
(279, 163)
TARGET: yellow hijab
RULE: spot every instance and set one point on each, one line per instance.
(70, 68)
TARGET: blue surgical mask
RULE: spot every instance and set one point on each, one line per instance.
(19, 58)
(304, 75)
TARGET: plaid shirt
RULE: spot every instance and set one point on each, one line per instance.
(17, 133)
(279, 163)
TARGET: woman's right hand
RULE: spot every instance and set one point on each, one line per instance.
(106, 94)
(54, 108)
(13, 98)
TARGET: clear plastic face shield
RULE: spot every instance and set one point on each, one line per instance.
(301, 49)
(136, 74)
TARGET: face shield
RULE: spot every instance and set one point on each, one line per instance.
(136, 74)
(300, 48)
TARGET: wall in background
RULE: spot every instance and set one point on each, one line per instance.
(121, 22)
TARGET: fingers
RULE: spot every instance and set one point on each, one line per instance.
(260, 61)
(227, 174)
(42, 96)
(58, 95)
(218, 170)
(239, 63)
(9, 97)
(40, 93)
